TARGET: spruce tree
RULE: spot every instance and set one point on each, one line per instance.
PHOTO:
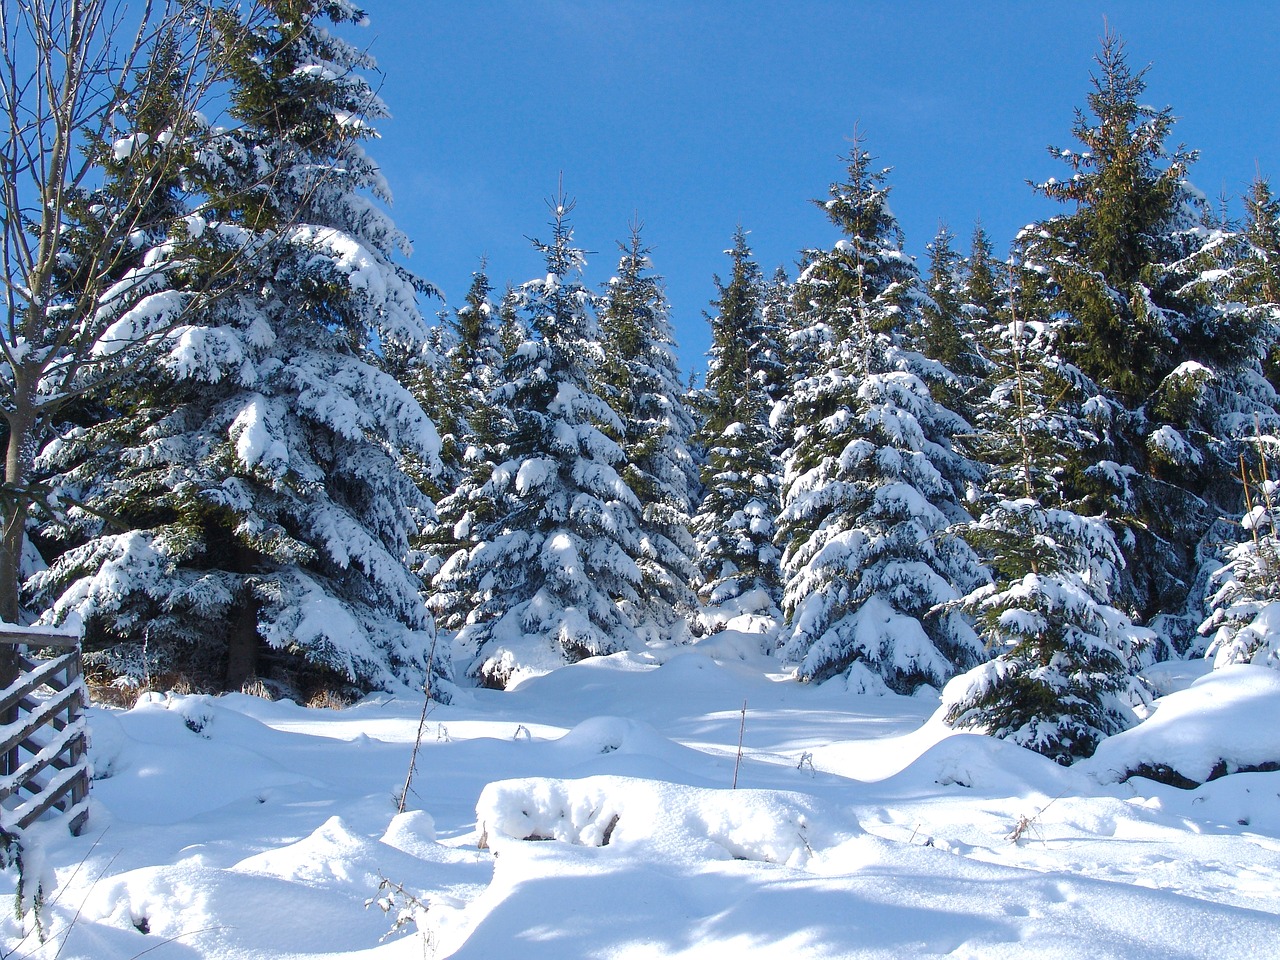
(511, 328)
(1240, 271)
(640, 369)
(258, 470)
(735, 522)
(1130, 201)
(1062, 678)
(767, 339)
(459, 399)
(553, 574)
(1062, 675)
(1132, 267)
(872, 478)
(980, 290)
(1259, 286)
(1243, 625)
(945, 323)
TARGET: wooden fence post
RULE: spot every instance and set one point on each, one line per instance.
(48, 728)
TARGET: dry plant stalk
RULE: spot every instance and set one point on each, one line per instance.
(742, 728)
(1025, 824)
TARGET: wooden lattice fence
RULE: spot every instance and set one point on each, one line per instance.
(43, 765)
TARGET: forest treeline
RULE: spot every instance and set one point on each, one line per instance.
(237, 450)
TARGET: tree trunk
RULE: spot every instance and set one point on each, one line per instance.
(242, 642)
(14, 519)
(242, 645)
(16, 509)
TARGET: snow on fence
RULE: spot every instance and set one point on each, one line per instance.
(42, 730)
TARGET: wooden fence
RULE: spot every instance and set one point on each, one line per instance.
(42, 730)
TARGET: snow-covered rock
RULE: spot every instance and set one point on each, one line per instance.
(1227, 721)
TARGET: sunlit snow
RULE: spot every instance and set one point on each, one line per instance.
(590, 813)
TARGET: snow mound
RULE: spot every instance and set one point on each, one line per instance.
(176, 757)
(617, 746)
(413, 832)
(670, 821)
(992, 767)
(1227, 721)
(332, 855)
(748, 646)
(598, 736)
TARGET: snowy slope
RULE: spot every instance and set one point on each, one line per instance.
(236, 828)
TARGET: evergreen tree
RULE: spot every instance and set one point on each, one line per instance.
(553, 573)
(259, 470)
(980, 294)
(511, 328)
(1237, 405)
(872, 479)
(735, 522)
(1038, 415)
(1240, 271)
(471, 427)
(944, 319)
(1061, 679)
(1133, 267)
(738, 305)
(1259, 284)
(641, 371)
(767, 339)
(104, 179)
(1244, 608)
(1130, 201)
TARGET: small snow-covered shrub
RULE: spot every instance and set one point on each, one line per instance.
(28, 897)
(1244, 618)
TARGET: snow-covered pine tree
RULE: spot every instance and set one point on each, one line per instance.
(942, 335)
(1258, 270)
(735, 522)
(1037, 415)
(1244, 603)
(643, 378)
(1221, 402)
(511, 328)
(474, 365)
(950, 332)
(1132, 267)
(872, 479)
(1244, 609)
(980, 291)
(767, 338)
(258, 470)
(1129, 196)
(457, 397)
(553, 573)
(779, 371)
(1061, 679)
(102, 120)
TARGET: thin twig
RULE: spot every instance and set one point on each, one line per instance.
(422, 726)
(741, 730)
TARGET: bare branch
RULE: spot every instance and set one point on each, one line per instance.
(101, 122)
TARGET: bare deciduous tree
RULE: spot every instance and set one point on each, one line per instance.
(102, 236)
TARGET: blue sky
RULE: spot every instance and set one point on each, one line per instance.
(696, 116)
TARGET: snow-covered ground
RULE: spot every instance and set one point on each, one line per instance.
(590, 813)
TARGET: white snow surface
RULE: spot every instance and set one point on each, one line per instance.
(1229, 717)
(590, 813)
